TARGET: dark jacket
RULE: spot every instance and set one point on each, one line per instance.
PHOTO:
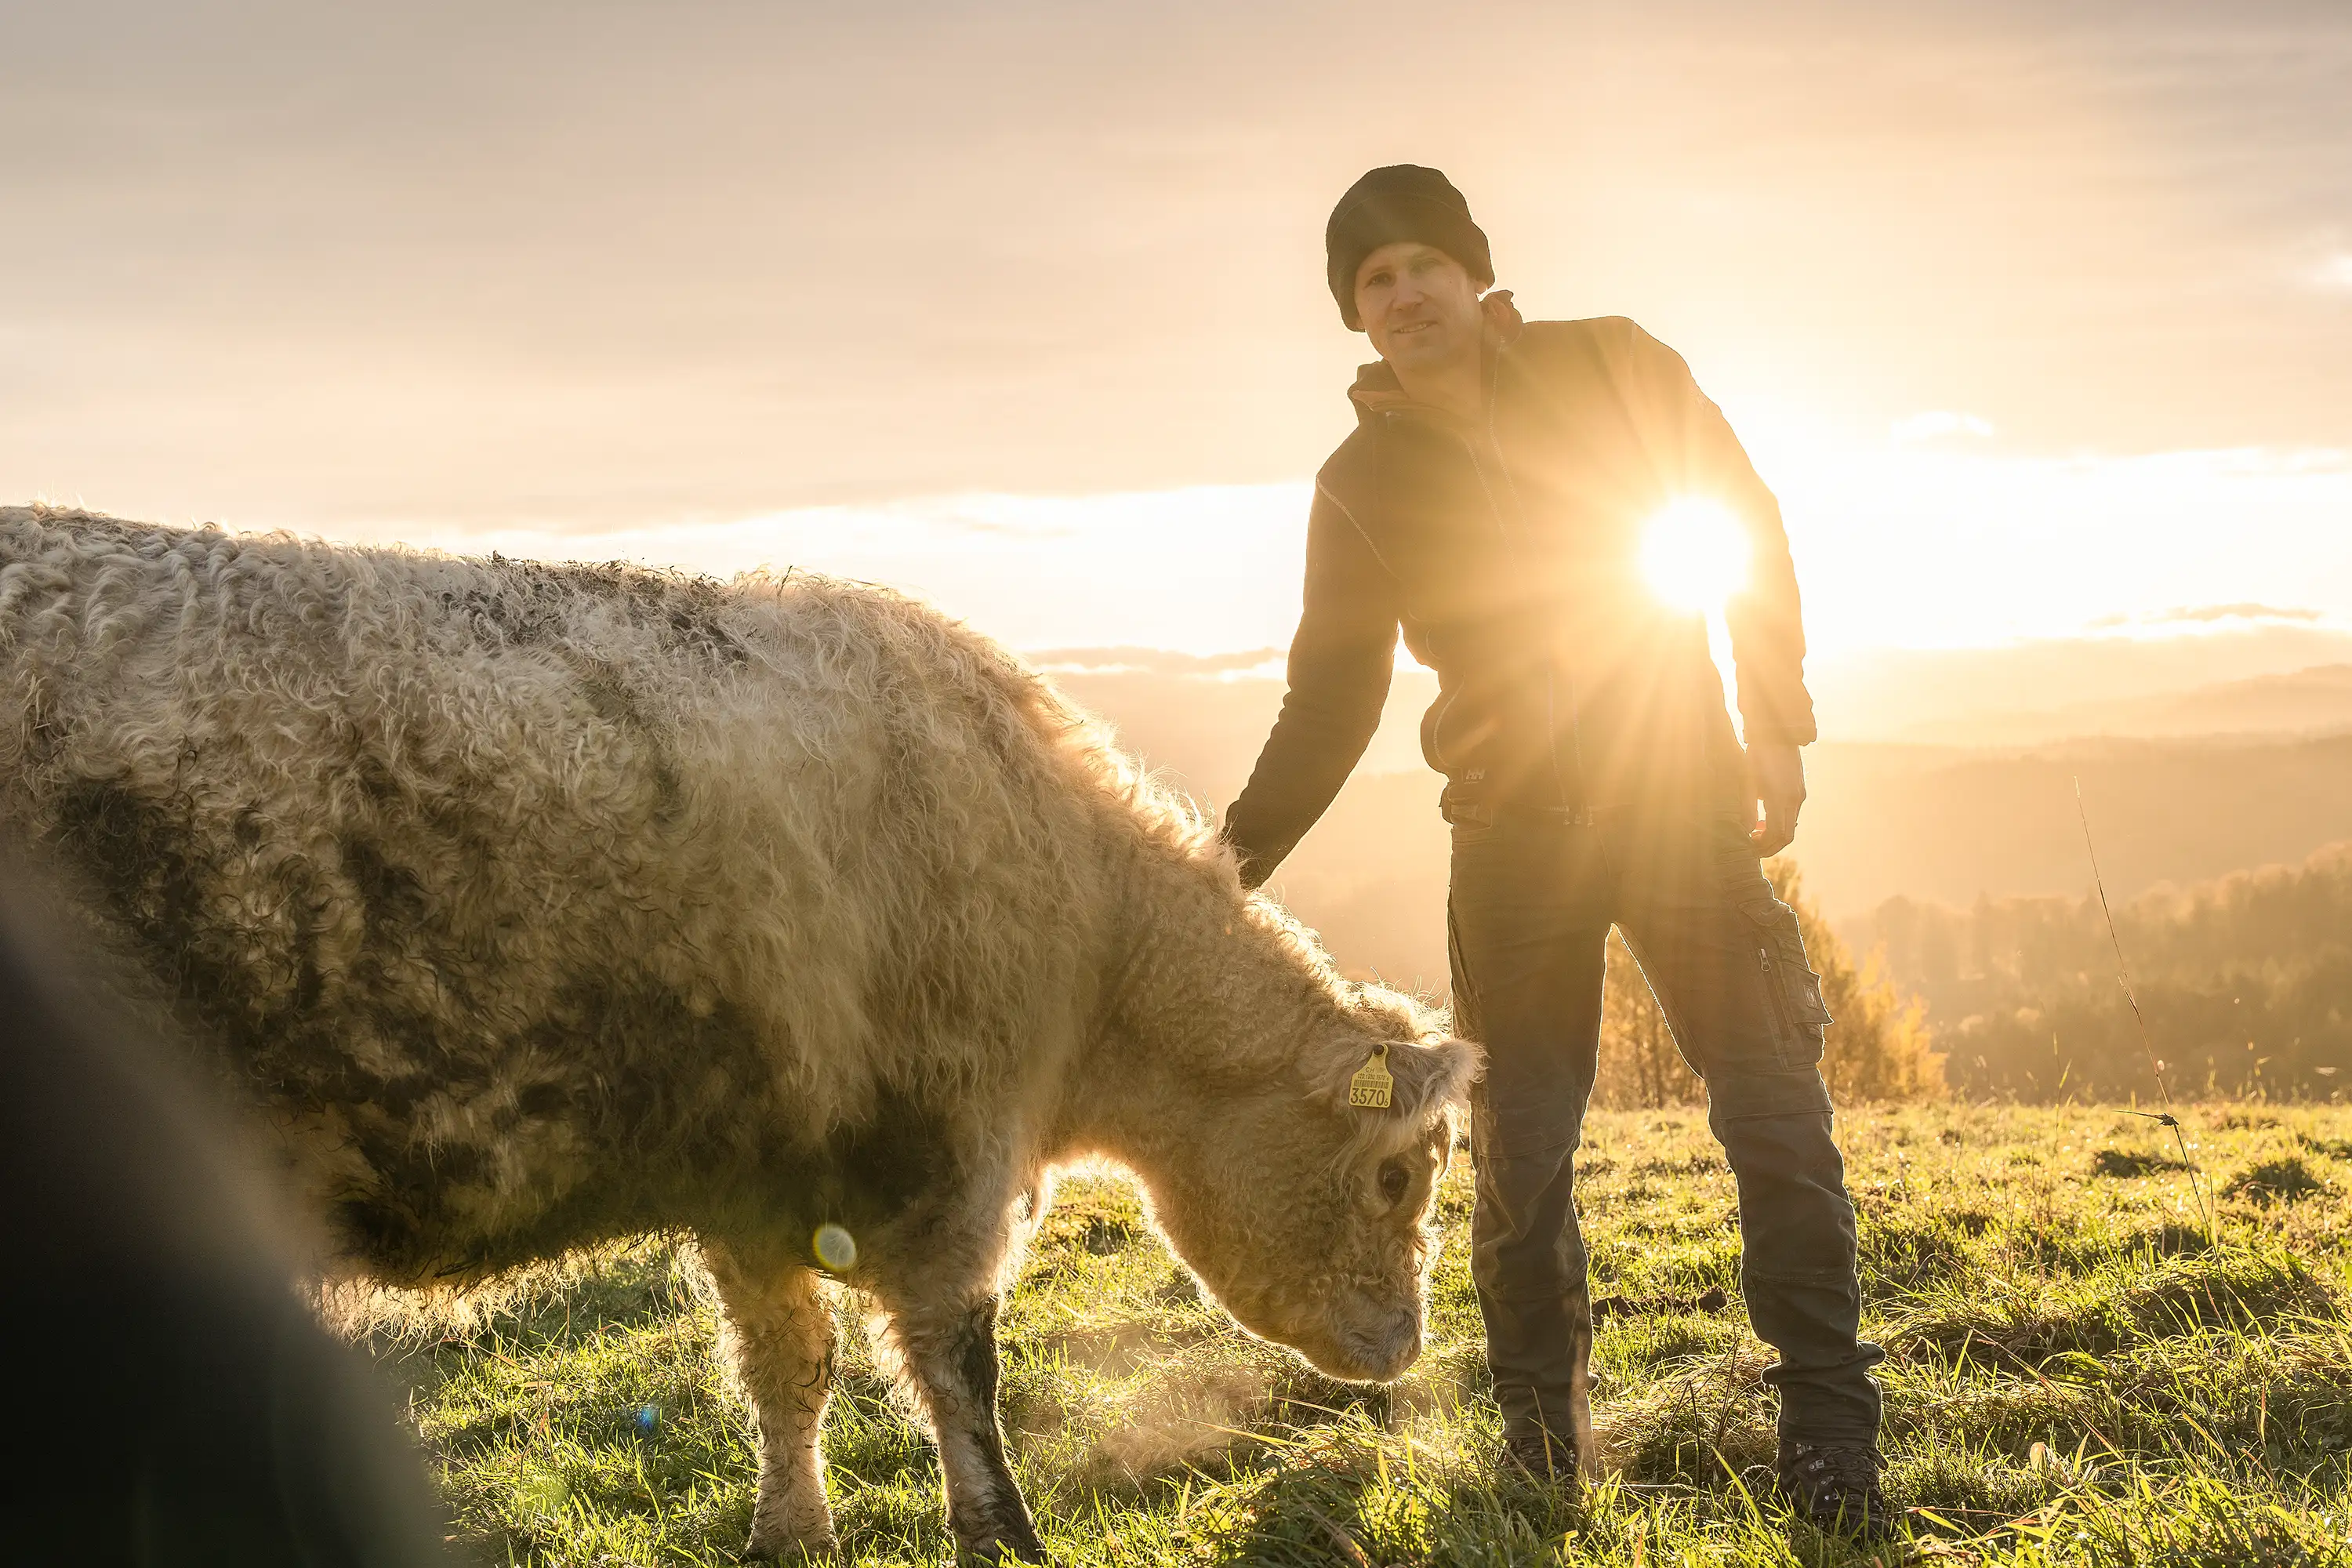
(1508, 551)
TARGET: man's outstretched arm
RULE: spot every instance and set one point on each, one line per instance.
(1340, 661)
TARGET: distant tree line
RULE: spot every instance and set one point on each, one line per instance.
(2245, 984)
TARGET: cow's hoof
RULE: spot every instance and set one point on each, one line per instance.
(1011, 1546)
(778, 1547)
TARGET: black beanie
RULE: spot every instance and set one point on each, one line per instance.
(1403, 201)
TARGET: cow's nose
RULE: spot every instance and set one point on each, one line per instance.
(1402, 1343)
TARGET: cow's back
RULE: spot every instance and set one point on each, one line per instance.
(542, 898)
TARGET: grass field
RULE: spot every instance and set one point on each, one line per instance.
(2075, 1374)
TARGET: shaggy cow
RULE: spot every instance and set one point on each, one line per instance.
(533, 905)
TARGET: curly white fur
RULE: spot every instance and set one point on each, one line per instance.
(532, 904)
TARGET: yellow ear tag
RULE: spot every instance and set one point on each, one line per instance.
(1372, 1084)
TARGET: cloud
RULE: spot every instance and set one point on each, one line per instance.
(1948, 543)
(1156, 661)
(1938, 422)
(1208, 570)
(2197, 614)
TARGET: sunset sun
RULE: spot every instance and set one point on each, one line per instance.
(1693, 555)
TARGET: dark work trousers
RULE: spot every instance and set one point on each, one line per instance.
(1533, 898)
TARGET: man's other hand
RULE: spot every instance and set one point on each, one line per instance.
(1776, 776)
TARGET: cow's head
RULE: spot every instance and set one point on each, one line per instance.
(1308, 1216)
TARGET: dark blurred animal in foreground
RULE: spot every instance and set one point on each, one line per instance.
(530, 906)
(176, 1401)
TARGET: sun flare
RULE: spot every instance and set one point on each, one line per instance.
(1695, 555)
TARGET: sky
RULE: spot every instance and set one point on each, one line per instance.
(2038, 317)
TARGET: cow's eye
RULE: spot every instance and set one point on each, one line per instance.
(1394, 1180)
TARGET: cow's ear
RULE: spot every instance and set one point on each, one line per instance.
(1432, 1076)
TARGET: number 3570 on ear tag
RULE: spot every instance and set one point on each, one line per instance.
(1372, 1086)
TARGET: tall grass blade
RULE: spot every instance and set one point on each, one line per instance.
(2156, 1064)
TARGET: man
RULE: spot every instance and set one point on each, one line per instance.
(1493, 501)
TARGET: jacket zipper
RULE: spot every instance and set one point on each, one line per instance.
(1551, 664)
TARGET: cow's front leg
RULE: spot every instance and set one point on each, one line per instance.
(948, 1349)
(782, 1334)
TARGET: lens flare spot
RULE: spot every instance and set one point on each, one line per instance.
(1695, 555)
(542, 1489)
(835, 1248)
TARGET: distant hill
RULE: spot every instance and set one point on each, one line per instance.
(2199, 679)
(1940, 824)
(2302, 701)
(1203, 720)
(1953, 824)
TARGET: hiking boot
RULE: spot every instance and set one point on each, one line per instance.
(1834, 1487)
(1546, 1456)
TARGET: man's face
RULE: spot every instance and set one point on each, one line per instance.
(1418, 305)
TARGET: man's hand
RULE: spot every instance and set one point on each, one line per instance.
(1776, 776)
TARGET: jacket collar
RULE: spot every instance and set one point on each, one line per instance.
(1377, 390)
